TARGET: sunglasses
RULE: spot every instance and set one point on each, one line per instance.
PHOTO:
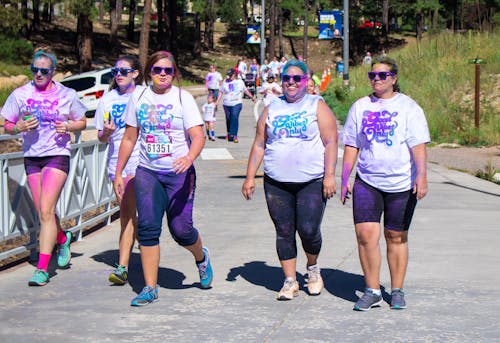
(295, 78)
(121, 71)
(159, 70)
(382, 75)
(43, 71)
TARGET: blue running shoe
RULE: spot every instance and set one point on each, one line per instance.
(119, 276)
(205, 270)
(147, 296)
(64, 254)
(398, 300)
(39, 278)
(367, 301)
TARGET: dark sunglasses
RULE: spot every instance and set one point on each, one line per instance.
(159, 70)
(43, 71)
(121, 71)
(295, 78)
(382, 75)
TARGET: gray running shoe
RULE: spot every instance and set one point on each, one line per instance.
(398, 300)
(367, 301)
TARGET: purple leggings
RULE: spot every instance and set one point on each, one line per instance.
(157, 193)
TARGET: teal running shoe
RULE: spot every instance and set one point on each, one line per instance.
(147, 296)
(205, 270)
(398, 300)
(39, 278)
(64, 254)
(119, 276)
(367, 301)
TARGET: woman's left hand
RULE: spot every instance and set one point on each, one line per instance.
(182, 164)
(62, 126)
(329, 187)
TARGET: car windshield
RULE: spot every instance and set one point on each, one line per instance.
(80, 84)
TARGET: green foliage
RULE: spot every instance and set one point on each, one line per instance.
(85, 7)
(437, 74)
(489, 172)
(11, 20)
(230, 11)
(15, 50)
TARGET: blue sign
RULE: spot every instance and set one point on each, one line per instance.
(330, 25)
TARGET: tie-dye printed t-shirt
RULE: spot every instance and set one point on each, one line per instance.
(163, 121)
(57, 104)
(384, 131)
(212, 80)
(294, 150)
(111, 108)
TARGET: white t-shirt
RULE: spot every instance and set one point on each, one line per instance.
(233, 92)
(111, 108)
(384, 131)
(59, 103)
(294, 150)
(208, 111)
(213, 80)
(163, 121)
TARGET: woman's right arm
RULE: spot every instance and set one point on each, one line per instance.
(256, 156)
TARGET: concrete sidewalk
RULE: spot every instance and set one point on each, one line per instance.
(451, 286)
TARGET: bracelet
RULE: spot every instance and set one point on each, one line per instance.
(189, 158)
(16, 131)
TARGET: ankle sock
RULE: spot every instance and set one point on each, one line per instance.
(43, 261)
(61, 237)
(375, 291)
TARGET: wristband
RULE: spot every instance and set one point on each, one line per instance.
(16, 131)
(189, 158)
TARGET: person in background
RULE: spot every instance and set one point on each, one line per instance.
(45, 112)
(311, 87)
(232, 94)
(166, 121)
(368, 58)
(297, 139)
(389, 133)
(208, 109)
(110, 124)
(213, 81)
(271, 90)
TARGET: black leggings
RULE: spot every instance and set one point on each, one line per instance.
(295, 207)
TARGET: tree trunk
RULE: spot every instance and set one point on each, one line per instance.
(36, 15)
(172, 14)
(208, 35)
(385, 17)
(245, 13)
(272, 29)
(113, 20)
(197, 35)
(101, 11)
(306, 26)
(131, 24)
(280, 32)
(419, 25)
(145, 27)
(161, 36)
(25, 30)
(84, 42)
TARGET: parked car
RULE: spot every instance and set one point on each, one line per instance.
(90, 87)
(369, 24)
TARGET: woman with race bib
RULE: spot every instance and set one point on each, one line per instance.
(166, 121)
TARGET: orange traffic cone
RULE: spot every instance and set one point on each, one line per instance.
(322, 86)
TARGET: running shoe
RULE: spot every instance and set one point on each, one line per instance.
(289, 290)
(235, 139)
(147, 296)
(367, 301)
(314, 280)
(119, 276)
(64, 254)
(398, 300)
(205, 270)
(39, 278)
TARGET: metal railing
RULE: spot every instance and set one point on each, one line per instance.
(87, 198)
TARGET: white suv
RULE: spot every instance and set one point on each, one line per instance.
(90, 87)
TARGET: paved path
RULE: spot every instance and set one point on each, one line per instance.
(452, 282)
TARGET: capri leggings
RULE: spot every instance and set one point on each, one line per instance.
(295, 207)
(157, 193)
